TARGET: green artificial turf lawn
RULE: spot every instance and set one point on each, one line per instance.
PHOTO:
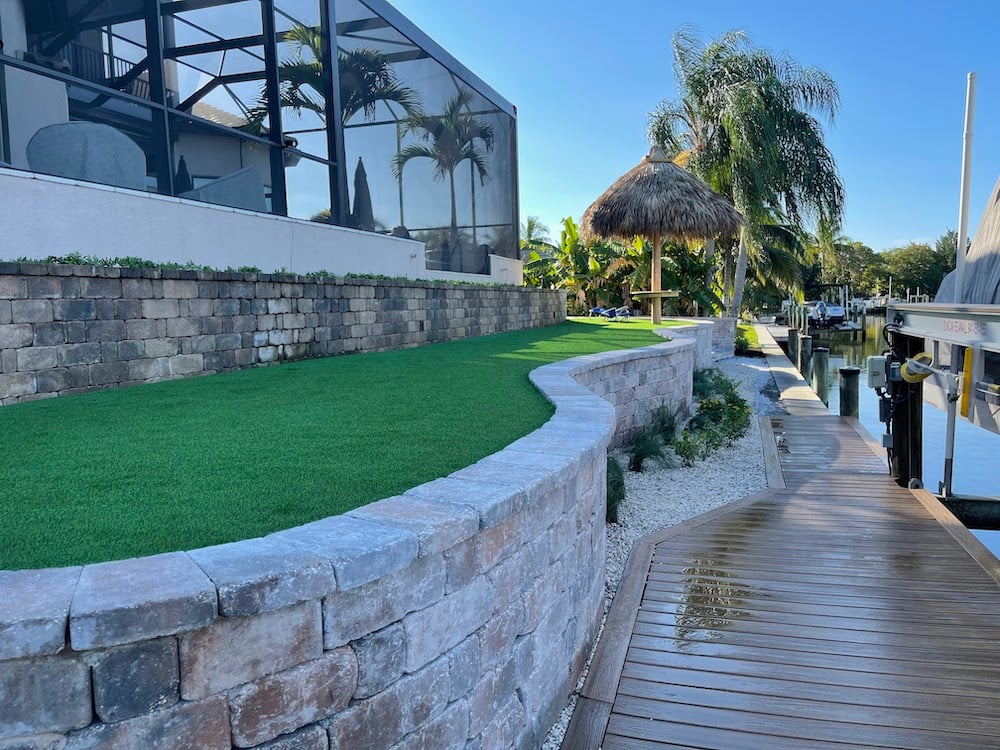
(750, 334)
(189, 463)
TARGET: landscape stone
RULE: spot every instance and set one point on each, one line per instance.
(217, 658)
(448, 729)
(105, 330)
(200, 724)
(49, 334)
(492, 691)
(47, 741)
(136, 679)
(381, 658)
(17, 335)
(437, 526)
(310, 738)
(432, 631)
(260, 575)
(33, 625)
(493, 503)
(374, 723)
(30, 705)
(463, 667)
(286, 701)
(360, 551)
(17, 384)
(160, 308)
(37, 358)
(31, 310)
(130, 600)
(352, 614)
(74, 309)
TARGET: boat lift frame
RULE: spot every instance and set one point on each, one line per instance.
(960, 338)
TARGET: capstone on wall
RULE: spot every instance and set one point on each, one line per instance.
(67, 329)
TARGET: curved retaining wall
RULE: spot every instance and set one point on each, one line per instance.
(462, 610)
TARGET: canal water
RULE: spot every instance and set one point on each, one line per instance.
(976, 450)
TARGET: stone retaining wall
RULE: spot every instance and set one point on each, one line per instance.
(458, 615)
(702, 331)
(66, 329)
(639, 381)
(723, 336)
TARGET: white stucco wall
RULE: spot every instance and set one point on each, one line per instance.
(52, 216)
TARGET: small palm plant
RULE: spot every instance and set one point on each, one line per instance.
(448, 140)
(366, 78)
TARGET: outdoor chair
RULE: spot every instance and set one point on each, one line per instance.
(611, 312)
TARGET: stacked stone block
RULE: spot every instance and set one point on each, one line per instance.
(724, 337)
(639, 381)
(702, 331)
(68, 329)
(457, 615)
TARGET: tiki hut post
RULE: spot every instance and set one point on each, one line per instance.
(655, 280)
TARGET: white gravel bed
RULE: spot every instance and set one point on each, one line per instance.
(662, 496)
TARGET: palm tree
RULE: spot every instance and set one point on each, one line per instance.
(448, 140)
(743, 124)
(535, 236)
(366, 78)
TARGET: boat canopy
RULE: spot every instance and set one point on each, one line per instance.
(982, 264)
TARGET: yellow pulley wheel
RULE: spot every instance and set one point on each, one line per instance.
(915, 375)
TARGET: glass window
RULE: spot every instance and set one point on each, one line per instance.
(301, 74)
(308, 187)
(103, 43)
(438, 156)
(220, 166)
(215, 63)
(425, 150)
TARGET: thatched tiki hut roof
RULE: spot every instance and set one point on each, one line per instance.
(658, 199)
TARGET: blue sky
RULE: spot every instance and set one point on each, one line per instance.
(584, 75)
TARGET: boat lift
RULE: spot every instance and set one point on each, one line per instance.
(945, 354)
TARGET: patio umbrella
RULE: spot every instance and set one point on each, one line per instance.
(659, 200)
(363, 216)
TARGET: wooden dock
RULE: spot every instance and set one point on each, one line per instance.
(834, 611)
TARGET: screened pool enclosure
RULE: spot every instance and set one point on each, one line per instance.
(336, 111)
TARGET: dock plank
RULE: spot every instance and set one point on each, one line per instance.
(837, 610)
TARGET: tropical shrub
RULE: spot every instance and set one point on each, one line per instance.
(665, 421)
(688, 447)
(645, 445)
(723, 417)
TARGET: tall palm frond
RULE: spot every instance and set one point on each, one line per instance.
(745, 117)
(452, 135)
(448, 140)
(365, 74)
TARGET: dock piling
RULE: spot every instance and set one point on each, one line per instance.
(850, 378)
(793, 345)
(820, 364)
(805, 356)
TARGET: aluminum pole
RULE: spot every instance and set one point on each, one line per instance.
(963, 204)
(949, 431)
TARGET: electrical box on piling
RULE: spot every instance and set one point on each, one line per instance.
(876, 371)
